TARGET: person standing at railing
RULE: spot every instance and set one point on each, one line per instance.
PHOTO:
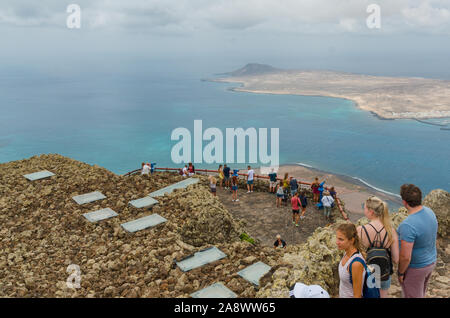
(191, 169)
(226, 176)
(145, 169)
(273, 181)
(280, 194)
(294, 185)
(221, 176)
(250, 175)
(315, 190)
(234, 186)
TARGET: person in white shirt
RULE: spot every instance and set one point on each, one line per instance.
(145, 169)
(185, 171)
(327, 201)
(250, 176)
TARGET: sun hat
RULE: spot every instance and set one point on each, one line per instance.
(235, 173)
(299, 290)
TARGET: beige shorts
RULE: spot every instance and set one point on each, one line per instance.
(273, 184)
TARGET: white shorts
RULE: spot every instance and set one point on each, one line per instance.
(273, 184)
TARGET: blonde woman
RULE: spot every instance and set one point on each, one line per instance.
(380, 234)
(212, 185)
(221, 175)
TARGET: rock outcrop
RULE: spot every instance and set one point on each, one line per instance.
(439, 201)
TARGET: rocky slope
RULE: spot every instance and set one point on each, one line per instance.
(43, 232)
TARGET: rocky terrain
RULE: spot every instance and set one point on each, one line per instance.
(43, 232)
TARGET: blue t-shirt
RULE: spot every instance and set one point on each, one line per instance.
(273, 177)
(293, 184)
(420, 228)
(226, 172)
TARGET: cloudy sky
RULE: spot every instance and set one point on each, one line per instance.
(414, 35)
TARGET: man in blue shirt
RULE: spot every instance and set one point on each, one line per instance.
(226, 176)
(417, 236)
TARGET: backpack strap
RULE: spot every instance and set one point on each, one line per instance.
(378, 234)
(367, 233)
(356, 259)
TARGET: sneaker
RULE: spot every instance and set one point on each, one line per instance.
(296, 225)
(293, 222)
(302, 217)
(248, 191)
(237, 200)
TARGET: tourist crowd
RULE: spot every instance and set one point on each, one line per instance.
(372, 251)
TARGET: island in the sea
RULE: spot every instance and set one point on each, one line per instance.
(387, 97)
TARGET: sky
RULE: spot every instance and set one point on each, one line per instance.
(221, 35)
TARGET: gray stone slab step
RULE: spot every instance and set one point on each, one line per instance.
(201, 258)
(100, 215)
(145, 202)
(39, 175)
(169, 189)
(143, 223)
(254, 272)
(217, 290)
(88, 197)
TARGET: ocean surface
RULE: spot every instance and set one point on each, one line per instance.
(119, 119)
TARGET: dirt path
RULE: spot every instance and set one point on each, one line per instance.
(265, 220)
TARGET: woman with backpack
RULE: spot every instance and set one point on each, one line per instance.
(380, 239)
(280, 194)
(353, 270)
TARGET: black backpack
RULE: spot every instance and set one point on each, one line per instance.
(379, 255)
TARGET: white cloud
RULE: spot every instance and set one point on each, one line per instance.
(178, 16)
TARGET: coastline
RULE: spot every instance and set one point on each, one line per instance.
(362, 100)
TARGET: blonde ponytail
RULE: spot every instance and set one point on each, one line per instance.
(380, 208)
(386, 220)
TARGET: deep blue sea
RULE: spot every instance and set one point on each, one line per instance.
(119, 119)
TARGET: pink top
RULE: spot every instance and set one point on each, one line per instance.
(295, 201)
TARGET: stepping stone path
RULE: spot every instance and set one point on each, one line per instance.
(39, 175)
(89, 197)
(254, 272)
(201, 258)
(143, 223)
(100, 215)
(179, 185)
(143, 203)
(217, 290)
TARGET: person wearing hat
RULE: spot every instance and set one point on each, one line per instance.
(299, 290)
(279, 242)
(327, 201)
(234, 185)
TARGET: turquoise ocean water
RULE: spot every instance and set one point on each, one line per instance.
(118, 120)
